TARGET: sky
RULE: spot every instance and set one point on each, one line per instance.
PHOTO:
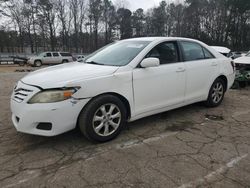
(145, 4)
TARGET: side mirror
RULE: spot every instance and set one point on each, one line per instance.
(150, 62)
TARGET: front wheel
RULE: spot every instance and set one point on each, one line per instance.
(103, 118)
(38, 63)
(216, 93)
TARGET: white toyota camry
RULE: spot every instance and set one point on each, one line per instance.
(124, 81)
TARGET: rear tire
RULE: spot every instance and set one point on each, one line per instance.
(65, 61)
(103, 118)
(216, 93)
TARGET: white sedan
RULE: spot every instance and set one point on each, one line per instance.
(124, 81)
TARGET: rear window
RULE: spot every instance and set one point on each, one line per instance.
(192, 51)
(65, 54)
(208, 55)
(55, 54)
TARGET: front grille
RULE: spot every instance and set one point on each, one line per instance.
(21, 93)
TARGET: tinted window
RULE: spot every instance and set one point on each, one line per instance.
(48, 54)
(208, 55)
(55, 54)
(166, 52)
(192, 51)
(65, 54)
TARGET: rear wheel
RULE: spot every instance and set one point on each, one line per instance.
(65, 61)
(103, 118)
(216, 93)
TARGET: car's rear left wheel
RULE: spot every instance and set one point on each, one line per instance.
(103, 118)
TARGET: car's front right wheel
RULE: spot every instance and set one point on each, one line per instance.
(216, 93)
(103, 118)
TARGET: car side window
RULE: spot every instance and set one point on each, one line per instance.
(55, 54)
(48, 55)
(208, 55)
(192, 51)
(166, 52)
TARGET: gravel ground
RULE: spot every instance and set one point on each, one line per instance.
(16, 68)
(189, 147)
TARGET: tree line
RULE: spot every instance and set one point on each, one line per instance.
(82, 26)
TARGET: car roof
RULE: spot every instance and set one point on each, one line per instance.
(151, 39)
(55, 52)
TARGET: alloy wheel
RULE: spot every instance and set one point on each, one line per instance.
(217, 93)
(106, 119)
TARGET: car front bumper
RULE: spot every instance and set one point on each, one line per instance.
(30, 62)
(30, 118)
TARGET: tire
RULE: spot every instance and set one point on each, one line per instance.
(216, 93)
(65, 61)
(98, 122)
(38, 63)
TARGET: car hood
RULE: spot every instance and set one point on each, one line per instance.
(33, 57)
(65, 74)
(242, 60)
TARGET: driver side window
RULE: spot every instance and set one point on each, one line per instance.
(166, 52)
(47, 55)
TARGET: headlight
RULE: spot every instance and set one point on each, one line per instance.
(51, 96)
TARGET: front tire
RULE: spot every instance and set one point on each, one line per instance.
(103, 118)
(216, 93)
(38, 63)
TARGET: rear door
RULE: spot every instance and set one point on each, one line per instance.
(56, 58)
(202, 68)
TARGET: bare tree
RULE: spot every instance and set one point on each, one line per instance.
(15, 8)
(48, 14)
(95, 11)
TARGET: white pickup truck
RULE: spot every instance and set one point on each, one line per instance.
(47, 58)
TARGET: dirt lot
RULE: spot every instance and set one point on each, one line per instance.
(15, 68)
(189, 147)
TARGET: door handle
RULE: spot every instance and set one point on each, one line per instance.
(180, 69)
(214, 64)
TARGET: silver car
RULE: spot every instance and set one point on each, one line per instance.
(50, 58)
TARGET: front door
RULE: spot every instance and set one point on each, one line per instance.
(47, 58)
(162, 86)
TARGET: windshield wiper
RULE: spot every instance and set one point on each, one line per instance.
(93, 63)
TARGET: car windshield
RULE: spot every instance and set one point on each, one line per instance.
(248, 54)
(117, 54)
